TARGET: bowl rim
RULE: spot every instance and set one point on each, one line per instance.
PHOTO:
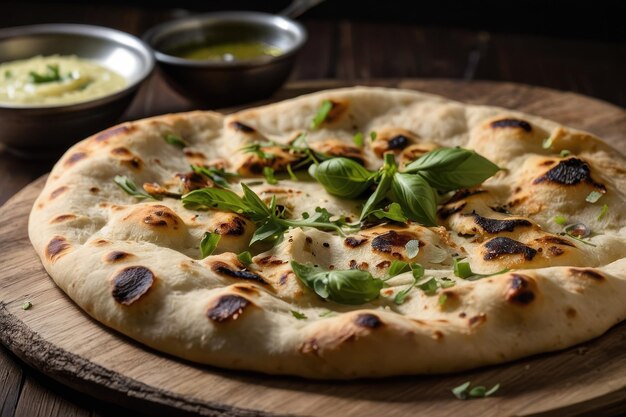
(89, 31)
(282, 22)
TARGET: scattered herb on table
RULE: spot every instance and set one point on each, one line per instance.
(27, 305)
(464, 392)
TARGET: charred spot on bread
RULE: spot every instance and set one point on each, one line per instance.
(368, 320)
(63, 218)
(587, 273)
(56, 248)
(496, 225)
(75, 157)
(354, 242)
(132, 283)
(270, 260)
(512, 123)
(477, 320)
(235, 226)
(337, 148)
(571, 171)
(227, 270)
(448, 210)
(57, 192)
(103, 136)
(501, 246)
(227, 307)
(520, 290)
(121, 151)
(193, 181)
(392, 239)
(241, 127)
(161, 216)
(117, 256)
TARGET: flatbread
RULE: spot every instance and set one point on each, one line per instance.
(135, 265)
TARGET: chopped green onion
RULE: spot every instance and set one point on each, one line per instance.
(462, 392)
(593, 197)
(208, 244)
(429, 287)
(397, 267)
(245, 258)
(27, 305)
(268, 172)
(358, 139)
(561, 220)
(373, 135)
(565, 153)
(605, 208)
(462, 269)
(291, 174)
(446, 282)
(298, 315)
(442, 299)
(321, 114)
(547, 142)
(175, 140)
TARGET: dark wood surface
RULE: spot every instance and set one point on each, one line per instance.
(337, 49)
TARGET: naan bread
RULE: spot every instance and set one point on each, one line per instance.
(135, 265)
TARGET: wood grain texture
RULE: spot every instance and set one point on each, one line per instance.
(10, 386)
(56, 337)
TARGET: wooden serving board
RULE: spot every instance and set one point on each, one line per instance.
(55, 336)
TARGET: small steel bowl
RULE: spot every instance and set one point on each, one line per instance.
(37, 130)
(219, 83)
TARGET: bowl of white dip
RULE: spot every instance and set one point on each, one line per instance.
(59, 83)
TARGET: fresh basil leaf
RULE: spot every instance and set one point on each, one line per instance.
(175, 140)
(394, 212)
(257, 205)
(268, 173)
(412, 248)
(429, 287)
(215, 198)
(245, 258)
(208, 244)
(321, 114)
(131, 188)
(268, 231)
(351, 286)
(342, 177)
(452, 168)
(397, 267)
(416, 196)
(298, 315)
(218, 176)
(377, 196)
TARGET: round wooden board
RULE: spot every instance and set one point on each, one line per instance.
(55, 336)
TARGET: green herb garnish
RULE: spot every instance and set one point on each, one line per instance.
(463, 391)
(268, 173)
(446, 282)
(565, 153)
(327, 313)
(26, 305)
(358, 139)
(218, 176)
(417, 271)
(52, 74)
(131, 188)
(593, 197)
(298, 315)
(269, 219)
(463, 270)
(321, 114)
(342, 177)
(392, 212)
(292, 176)
(245, 258)
(175, 140)
(351, 286)
(373, 135)
(603, 211)
(398, 267)
(547, 142)
(560, 220)
(208, 244)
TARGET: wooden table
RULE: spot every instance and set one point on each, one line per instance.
(337, 49)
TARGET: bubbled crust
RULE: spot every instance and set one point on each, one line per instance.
(134, 265)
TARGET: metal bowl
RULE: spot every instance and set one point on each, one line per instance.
(225, 83)
(33, 130)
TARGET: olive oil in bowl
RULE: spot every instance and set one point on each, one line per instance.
(227, 52)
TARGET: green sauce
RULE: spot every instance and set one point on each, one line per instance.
(235, 51)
